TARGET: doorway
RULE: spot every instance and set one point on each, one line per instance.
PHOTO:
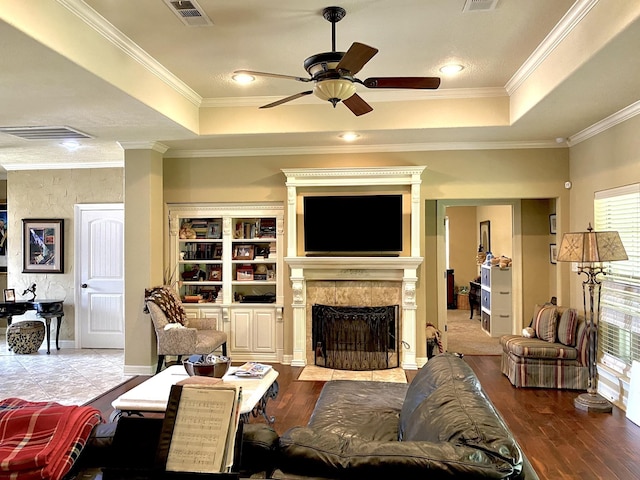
(99, 278)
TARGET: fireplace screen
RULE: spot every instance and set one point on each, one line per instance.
(355, 338)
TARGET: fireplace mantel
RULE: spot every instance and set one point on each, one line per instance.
(400, 269)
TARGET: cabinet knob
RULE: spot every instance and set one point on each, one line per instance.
(84, 285)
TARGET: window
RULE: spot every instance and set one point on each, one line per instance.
(619, 330)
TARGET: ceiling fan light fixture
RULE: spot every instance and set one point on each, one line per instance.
(451, 69)
(334, 90)
(243, 78)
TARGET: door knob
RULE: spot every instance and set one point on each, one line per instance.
(84, 285)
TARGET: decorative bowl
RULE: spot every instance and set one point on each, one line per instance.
(207, 365)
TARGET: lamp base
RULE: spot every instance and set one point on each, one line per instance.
(592, 402)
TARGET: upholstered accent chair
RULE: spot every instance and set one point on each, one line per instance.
(554, 356)
(176, 334)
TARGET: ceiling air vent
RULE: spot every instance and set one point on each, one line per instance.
(44, 133)
(189, 12)
(479, 5)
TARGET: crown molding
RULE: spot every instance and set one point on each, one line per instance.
(564, 27)
(605, 124)
(89, 16)
(334, 149)
(12, 167)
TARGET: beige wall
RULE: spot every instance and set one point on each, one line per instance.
(463, 244)
(53, 194)
(608, 160)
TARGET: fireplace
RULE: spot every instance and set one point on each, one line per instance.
(355, 338)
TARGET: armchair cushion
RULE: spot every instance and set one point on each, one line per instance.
(567, 327)
(164, 298)
(544, 322)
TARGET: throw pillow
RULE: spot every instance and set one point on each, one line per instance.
(528, 332)
(169, 305)
(544, 322)
(567, 327)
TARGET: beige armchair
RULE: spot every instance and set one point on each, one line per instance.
(176, 334)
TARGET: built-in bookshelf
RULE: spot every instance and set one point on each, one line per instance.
(226, 264)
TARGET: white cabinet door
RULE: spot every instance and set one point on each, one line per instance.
(264, 329)
(241, 330)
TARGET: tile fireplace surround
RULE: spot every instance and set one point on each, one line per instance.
(353, 281)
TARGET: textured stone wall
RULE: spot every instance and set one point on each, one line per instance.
(50, 194)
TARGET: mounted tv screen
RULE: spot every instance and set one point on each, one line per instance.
(361, 224)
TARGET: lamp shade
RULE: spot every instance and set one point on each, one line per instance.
(591, 247)
(334, 90)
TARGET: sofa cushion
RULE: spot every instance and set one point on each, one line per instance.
(536, 348)
(368, 410)
(567, 327)
(544, 322)
(438, 370)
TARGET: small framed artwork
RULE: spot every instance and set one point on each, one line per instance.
(214, 229)
(552, 223)
(553, 253)
(243, 252)
(215, 273)
(9, 295)
(485, 235)
(217, 252)
(42, 245)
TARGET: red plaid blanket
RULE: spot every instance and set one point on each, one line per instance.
(42, 440)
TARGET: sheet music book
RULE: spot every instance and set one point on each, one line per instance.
(199, 428)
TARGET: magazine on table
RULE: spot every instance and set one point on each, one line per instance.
(252, 369)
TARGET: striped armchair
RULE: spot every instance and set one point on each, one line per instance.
(555, 358)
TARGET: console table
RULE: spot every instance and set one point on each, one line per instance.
(45, 309)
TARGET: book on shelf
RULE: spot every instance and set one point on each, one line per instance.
(200, 428)
(252, 369)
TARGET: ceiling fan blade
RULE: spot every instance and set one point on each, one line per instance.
(287, 99)
(357, 105)
(273, 75)
(402, 82)
(356, 57)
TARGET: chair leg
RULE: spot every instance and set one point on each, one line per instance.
(224, 349)
(179, 360)
(160, 362)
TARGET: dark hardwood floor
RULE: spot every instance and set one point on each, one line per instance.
(560, 441)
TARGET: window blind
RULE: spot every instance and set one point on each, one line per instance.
(619, 330)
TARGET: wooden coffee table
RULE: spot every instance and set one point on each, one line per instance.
(152, 395)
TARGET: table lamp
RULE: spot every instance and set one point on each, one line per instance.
(589, 249)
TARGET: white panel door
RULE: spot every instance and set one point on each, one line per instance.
(100, 278)
(241, 330)
(264, 328)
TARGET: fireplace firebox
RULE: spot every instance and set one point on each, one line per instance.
(355, 338)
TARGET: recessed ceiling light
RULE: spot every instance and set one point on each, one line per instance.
(451, 69)
(243, 78)
(349, 136)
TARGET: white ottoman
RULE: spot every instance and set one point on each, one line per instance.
(25, 337)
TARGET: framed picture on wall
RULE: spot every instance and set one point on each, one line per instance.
(553, 253)
(42, 245)
(485, 235)
(552, 223)
(3, 237)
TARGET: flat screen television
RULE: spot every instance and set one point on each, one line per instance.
(353, 225)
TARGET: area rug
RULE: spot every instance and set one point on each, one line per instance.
(320, 374)
(464, 335)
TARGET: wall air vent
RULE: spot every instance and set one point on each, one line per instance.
(44, 133)
(189, 12)
(479, 5)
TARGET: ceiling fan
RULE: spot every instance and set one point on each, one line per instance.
(333, 73)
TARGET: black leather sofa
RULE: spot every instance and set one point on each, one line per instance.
(440, 426)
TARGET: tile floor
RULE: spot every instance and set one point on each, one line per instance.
(67, 376)
(314, 373)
